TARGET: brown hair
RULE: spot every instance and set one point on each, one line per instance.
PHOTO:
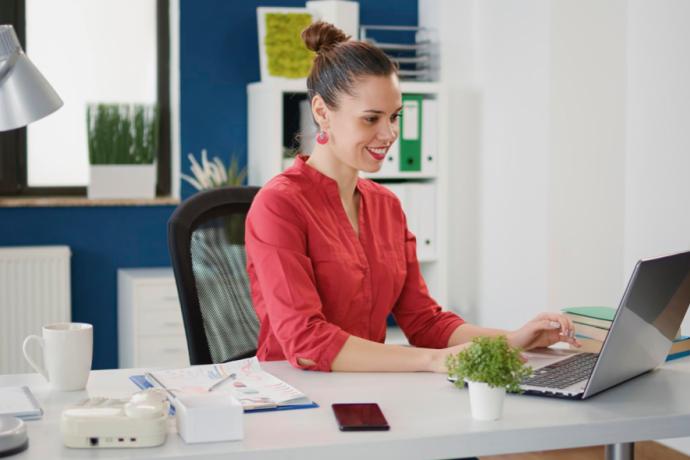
(339, 62)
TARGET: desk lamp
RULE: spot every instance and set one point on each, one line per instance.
(25, 95)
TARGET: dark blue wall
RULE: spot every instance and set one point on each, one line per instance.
(218, 58)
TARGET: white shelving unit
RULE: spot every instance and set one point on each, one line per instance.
(266, 112)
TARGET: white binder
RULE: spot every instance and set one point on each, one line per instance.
(391, 165)
(418, 201)
(429, 136)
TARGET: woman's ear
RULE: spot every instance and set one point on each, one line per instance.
(320, 111)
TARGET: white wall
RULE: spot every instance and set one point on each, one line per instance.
(657, 188)
(571, 148)
(513, 161)
(586, 152)
(658, 129)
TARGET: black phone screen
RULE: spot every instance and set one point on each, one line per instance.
(360, 417)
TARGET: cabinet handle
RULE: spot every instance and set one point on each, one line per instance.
(172, 323)
(170, 298)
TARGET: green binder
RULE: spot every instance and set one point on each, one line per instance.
(411, 133)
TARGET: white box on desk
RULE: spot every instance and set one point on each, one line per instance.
(209, 417)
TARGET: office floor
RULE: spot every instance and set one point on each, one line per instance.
(643, 451)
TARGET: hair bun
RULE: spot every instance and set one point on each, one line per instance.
(321, 36)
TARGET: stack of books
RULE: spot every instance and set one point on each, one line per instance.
(592, 324)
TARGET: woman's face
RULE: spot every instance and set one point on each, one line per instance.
(365, 124)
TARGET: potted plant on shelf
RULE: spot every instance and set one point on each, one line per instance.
(123, 145)
(490, 367)
(213, 174)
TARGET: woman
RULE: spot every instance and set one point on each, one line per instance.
(329, 255)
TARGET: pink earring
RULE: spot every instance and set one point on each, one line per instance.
(322, 137)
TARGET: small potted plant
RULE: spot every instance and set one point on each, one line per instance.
(490, 367)
(123, 145)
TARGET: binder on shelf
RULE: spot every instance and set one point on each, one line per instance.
(391, 165)
(411, 133)
(419, 204)
(429, 151)
(425, 197)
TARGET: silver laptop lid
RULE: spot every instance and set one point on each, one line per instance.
(648, 317)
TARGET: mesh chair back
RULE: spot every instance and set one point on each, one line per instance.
(206, 242)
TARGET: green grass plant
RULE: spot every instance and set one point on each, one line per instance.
(122, 133)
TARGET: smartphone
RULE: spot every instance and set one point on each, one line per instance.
(360, 417)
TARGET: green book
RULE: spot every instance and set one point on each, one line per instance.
(601, 313)
(600, 317)
(411, 133)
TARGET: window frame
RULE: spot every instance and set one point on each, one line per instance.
(13, 143)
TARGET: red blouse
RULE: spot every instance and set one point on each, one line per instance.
(314, 282)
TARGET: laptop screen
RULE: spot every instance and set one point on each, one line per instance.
(648, 317)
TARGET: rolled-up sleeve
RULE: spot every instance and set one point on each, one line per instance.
(423, 321)
(276, 247)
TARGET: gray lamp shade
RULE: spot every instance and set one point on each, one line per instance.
(25, 95)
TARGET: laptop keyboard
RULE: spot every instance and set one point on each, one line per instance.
(564, 373)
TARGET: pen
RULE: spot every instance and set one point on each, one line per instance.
(151, 378)
(221, 381)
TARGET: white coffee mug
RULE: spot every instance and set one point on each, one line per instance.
(67, 349)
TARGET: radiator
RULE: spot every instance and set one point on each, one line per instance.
(34, 290)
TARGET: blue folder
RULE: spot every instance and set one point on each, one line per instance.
(143, 383)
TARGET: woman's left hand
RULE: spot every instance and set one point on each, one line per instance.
(543, 331)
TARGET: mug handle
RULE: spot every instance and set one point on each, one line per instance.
(40, 369)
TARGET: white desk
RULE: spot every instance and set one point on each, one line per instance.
(429, 418)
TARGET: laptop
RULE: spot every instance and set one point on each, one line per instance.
(648, 317)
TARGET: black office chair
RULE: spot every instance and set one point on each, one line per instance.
(206, 244)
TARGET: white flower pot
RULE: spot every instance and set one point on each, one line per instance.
(122, 181)
(486, 403)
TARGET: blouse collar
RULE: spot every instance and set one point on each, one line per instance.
(316, 176)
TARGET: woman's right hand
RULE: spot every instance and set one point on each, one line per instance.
(437, 362)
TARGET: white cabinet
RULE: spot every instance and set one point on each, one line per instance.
(149, 319)
(273, 113)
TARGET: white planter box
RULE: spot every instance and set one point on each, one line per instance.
(486, 403)
(122, 181)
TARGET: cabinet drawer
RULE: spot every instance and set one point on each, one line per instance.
(160, 321)
(162, 295)
(163, 352)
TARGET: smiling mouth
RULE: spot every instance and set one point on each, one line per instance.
(379, 153)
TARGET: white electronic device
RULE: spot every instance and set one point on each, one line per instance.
(140, 421)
